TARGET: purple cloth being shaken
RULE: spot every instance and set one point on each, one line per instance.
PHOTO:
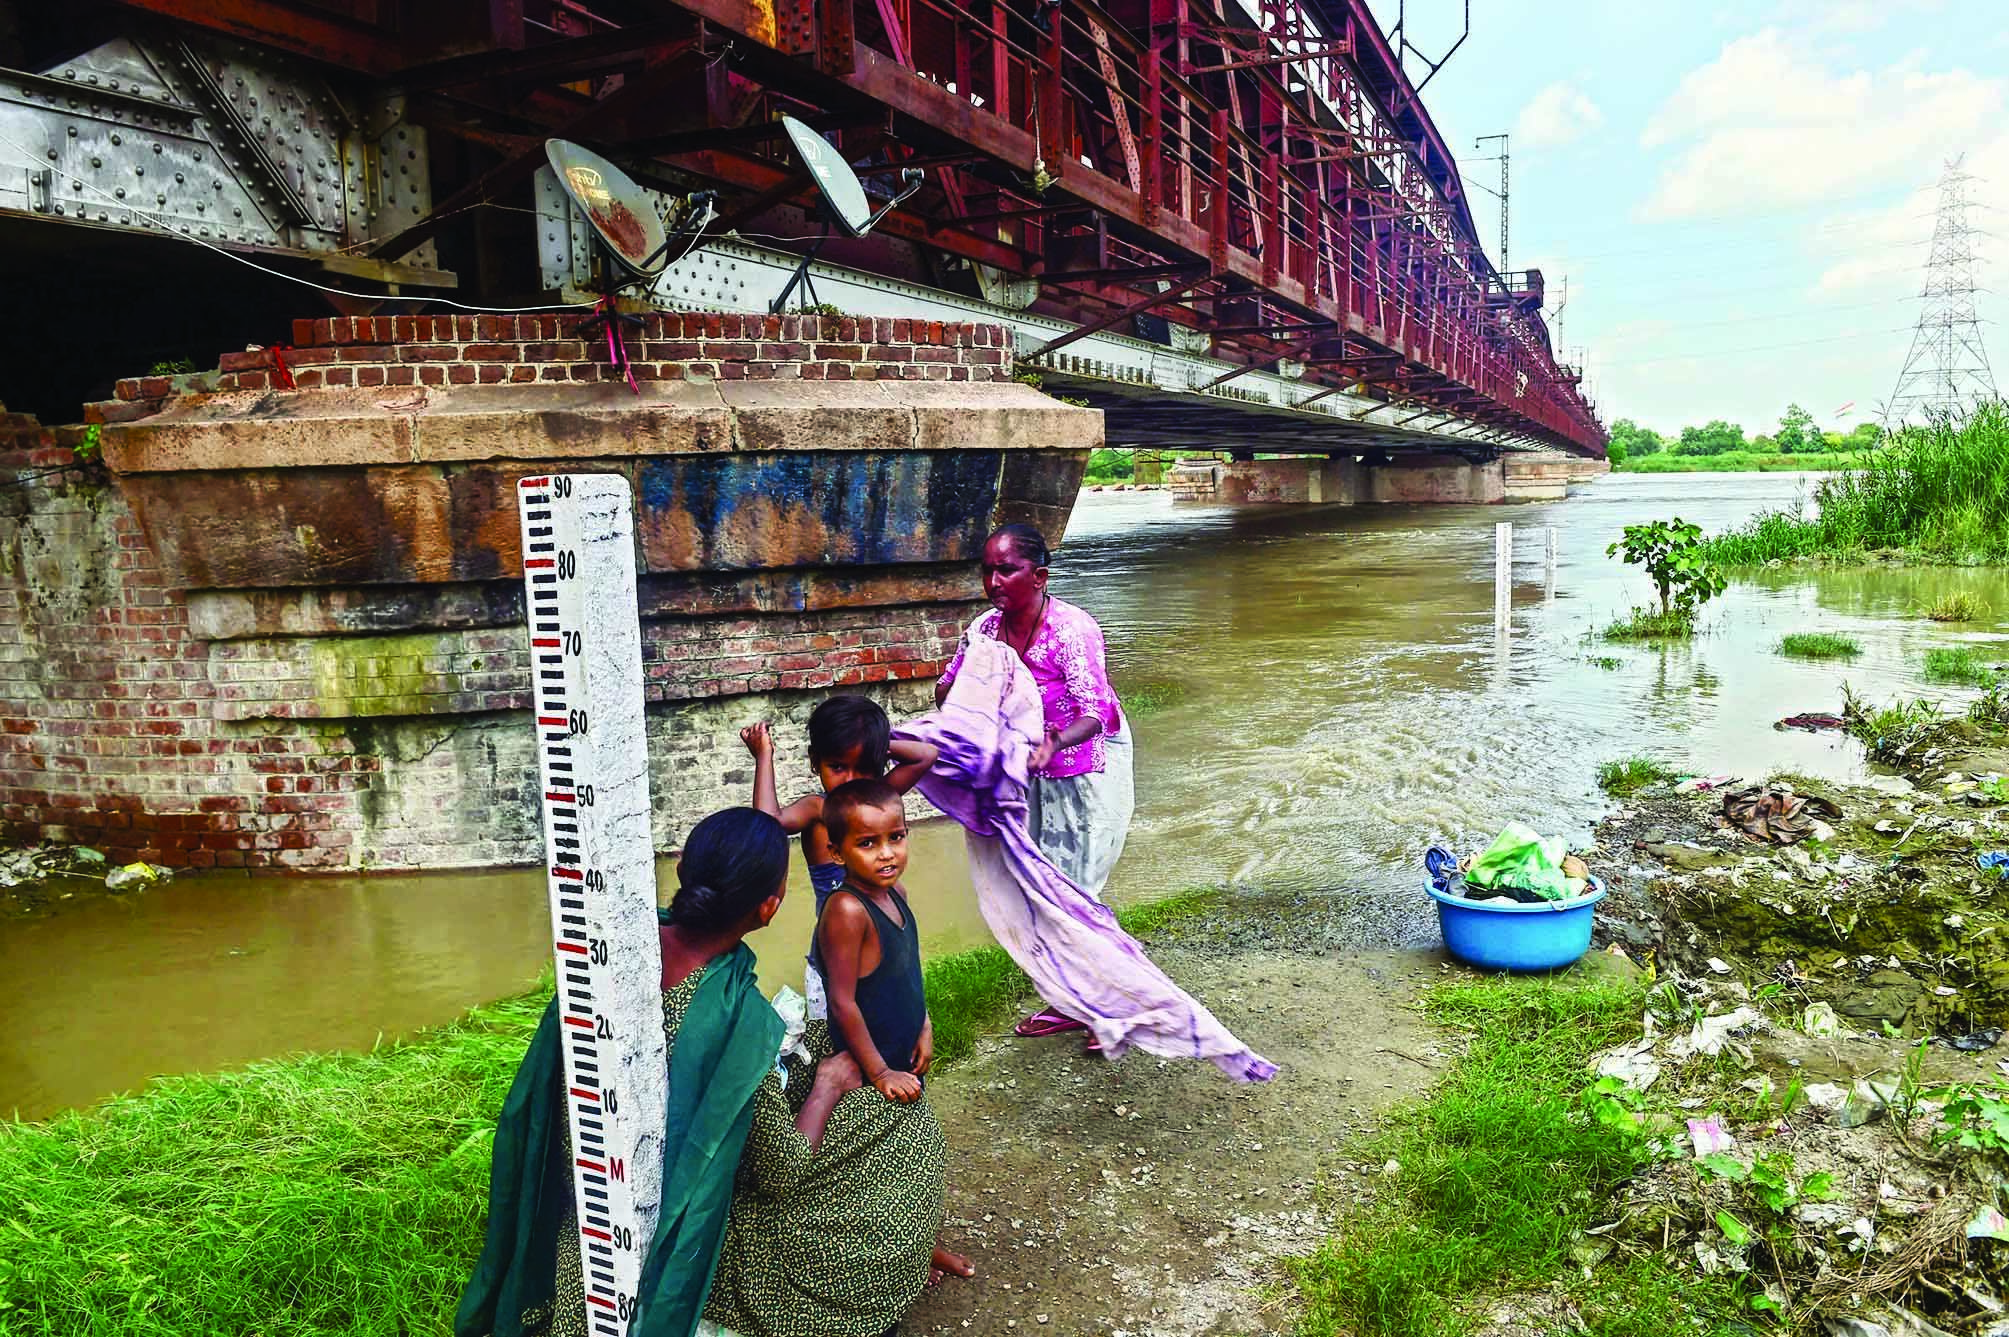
(1083, 964)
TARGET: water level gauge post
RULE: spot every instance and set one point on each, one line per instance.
(584, 633)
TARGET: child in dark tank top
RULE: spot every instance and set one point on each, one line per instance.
(868, 950)
(867, 945)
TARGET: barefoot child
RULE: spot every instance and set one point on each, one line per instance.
(868, 951)
(849, 739)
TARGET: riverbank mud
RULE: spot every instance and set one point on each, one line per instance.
(1154, 1198)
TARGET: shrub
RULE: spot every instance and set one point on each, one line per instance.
(1673, 555)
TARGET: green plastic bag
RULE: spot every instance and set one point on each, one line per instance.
(1521, 859)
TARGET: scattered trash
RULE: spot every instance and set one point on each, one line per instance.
(134, 875)
(1988, 1223)
(1719, 965)
(1775, 814)
(1702, 784)
(1825, 1097)
(1974, 1042)
(1863, 1105)
(1633, 1065)
(1710, 1034)
(1998, 860)
(1820, 1021)
(1709, 1137)
(1813, 721)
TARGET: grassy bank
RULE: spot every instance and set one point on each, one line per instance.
(323, 1193)
(1489, 1182)
(327, 1193)
(1939, 492)
(1735, 461)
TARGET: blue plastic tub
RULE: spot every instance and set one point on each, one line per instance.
(1517, 937)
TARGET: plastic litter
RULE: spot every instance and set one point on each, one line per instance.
(1708, 1036)
(1974, 1042)
(1996, 859)
(1709, 1137)
(1820, 1021)
(133, 875)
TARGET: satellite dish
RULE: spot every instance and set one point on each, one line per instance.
(631, 235)
(835, 180)
(622, 215)
(843, 198)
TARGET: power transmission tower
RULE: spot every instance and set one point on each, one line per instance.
(1480, 143)
(1947, 369)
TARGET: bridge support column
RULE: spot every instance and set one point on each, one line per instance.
(1538, 477)
(1444, 479)
(1306, 480)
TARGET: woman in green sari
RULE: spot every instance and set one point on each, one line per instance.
(808, 1210)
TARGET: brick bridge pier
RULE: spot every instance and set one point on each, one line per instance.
(283, 627)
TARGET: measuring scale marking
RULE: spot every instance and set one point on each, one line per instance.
(592, 757)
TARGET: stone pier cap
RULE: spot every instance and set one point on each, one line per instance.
(395, 463)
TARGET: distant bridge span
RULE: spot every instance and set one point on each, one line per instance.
(1251, 186)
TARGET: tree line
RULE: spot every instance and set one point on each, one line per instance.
(1796, 435)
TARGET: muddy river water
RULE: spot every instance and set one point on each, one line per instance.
(1321, 695)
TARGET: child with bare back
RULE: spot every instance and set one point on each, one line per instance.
(850, 738)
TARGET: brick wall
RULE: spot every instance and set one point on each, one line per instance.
(366, 351)
(124, 727)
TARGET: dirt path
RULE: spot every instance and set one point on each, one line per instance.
(1154, 1199)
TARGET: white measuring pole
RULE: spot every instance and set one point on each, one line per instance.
(1549, 565)
(1503, 575)
(592, 756)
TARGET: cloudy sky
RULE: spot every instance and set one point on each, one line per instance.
(1740, 192)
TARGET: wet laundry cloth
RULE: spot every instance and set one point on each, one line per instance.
(1442, 866)
(1081, 962)
(1812, 721)
(1521, 865)
(1775, 814)
(1998, 860)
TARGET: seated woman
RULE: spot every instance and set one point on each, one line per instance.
(835, 1194)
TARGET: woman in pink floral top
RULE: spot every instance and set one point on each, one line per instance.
(1081, 797)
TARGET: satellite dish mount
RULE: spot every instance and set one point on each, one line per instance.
(842, 199)
(632, 243)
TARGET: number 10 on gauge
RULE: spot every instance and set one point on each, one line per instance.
(592, 760)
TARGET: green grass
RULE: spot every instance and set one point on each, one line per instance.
(1647, 624)
(1629, 775)
(1735, 461)
(1959, 664)
(1819, 645)
(327, 1193)
(1500, 1168)
(1959, 606)
(1938, 491)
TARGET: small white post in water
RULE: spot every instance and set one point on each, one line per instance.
(1503, 576)
(1549, 566)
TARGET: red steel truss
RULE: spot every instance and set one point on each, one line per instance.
(1261, 170)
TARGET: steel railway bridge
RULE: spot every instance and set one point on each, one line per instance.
(1226, 222)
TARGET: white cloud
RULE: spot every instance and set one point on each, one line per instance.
(1766, 125)
(1557, 115)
